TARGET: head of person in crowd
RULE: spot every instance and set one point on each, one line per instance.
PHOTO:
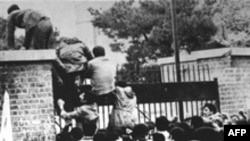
(162, 123)
(242, 115)
(150, 124)
(208, 110)
(234, 118)
(98, 51)
(207, 134)
(12, 8)
(101, 135)
(89, 129)
(179, 134)
(242, 120)
(76, 133)
(127, 138)
(140, 132)
(64, 137)
(196, 122)
(121, 84)
(187, 129)
(128, 90)
(113, 136)
(158, 137)
(226, 119)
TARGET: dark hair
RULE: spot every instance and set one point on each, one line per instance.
(207, 134)
(89, 129)
(150, 124)
(98, 51)
(90, 97)
(197, 122)
(76, 133)
(140, 131)
(63, 137)
(112, 136)
(211, 107)
(126, 138)
(162, 123)
(158, 137)
(101, 135)
(179, 134)
(121, 84)
(13, 7)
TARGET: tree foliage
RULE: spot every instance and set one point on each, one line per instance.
(232, 18)
(147, 27)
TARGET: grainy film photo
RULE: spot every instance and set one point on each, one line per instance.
(124, 70)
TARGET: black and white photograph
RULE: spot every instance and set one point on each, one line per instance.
(124, 70)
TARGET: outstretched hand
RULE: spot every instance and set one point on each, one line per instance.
(64, 114)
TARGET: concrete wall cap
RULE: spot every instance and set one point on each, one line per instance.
(27, 55)
(206, 54)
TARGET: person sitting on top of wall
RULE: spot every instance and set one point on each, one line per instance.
(102, 73)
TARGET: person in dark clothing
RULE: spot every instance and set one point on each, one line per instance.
(207, 134)
(38, 27)
(140, 132)
(158, 137)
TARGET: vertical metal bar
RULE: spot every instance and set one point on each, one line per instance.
(168, 73)
(162, 73)
(197, 107)
(183, 73)
(161, 110)
(189, 75)
(208, 72)
(186, 104)
(150, 112)
(198, 69)
(171, 109)
(204, 73)
(144, 111)
(103, 115)
(192, 108)
(174, 75)
(139, 116)
(155, 110)
(194, 73)
(166, 108)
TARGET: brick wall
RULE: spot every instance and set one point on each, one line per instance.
(29, 84)
(233, 75)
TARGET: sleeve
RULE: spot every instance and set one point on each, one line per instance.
(79, 112)
(11, 31)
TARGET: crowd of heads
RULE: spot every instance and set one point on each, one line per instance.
(207, 127)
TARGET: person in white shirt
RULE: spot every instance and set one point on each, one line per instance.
(102, 73)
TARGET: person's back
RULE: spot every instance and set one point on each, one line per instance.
(103, 75)
(102, 72)
(38, 27)
(124, 113)
(162, 126)
(73, 56)
(207, 134)
(158, 137)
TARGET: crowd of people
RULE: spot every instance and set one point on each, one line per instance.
(123, 124)
(207, 127)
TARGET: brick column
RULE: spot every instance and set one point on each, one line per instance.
(27, 77)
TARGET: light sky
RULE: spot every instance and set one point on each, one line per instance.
(71, 18)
